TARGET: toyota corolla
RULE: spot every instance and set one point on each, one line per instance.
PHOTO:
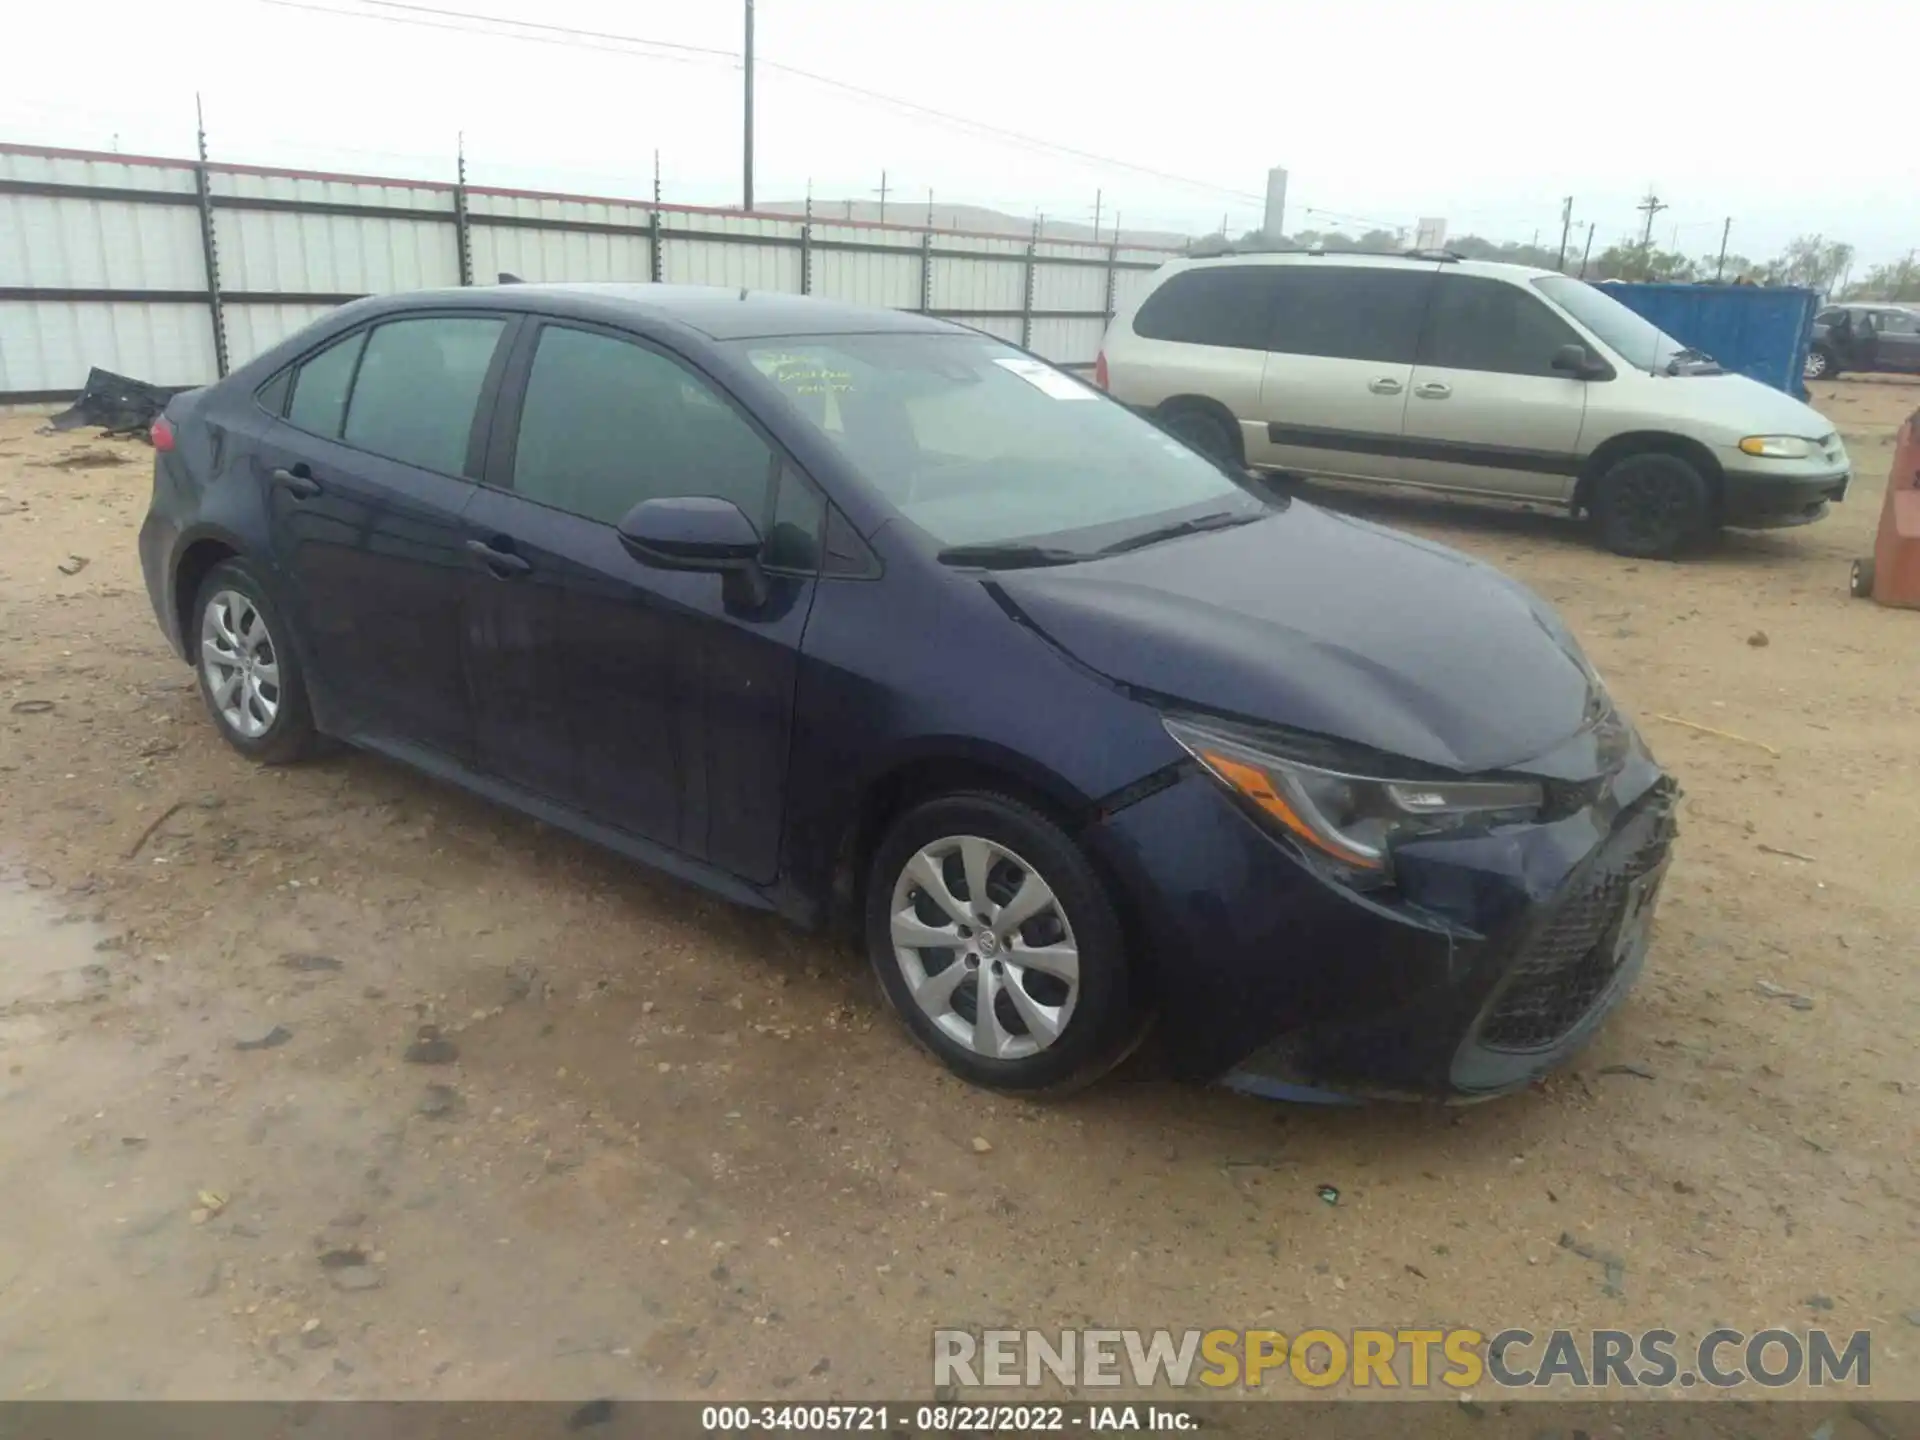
(866, 617)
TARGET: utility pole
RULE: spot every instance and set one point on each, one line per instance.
(1566, 227)
(1720, 265)
(746, 176)
(656, 175)
(1651, 206)
(1586, 252)
(929, 207)
(1096, 217)
(882, 192)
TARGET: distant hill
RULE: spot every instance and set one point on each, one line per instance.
(968, 217)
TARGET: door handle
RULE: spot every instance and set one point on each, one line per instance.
(297, 483)
(1433, 390)
(503, 564)
(1384, 385)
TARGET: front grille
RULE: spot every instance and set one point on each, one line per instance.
(1571, 962)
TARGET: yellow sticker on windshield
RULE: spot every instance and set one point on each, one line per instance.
(804, 376)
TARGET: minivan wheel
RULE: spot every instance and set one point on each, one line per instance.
(995, 941)
(1648, 506)
(1819, 365)
(1203, 431)
(249, 675)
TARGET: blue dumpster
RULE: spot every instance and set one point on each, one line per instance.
(1755, 330)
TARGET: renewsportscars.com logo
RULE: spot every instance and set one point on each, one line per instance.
(1392, 1359)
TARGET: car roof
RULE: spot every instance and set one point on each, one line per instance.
(717, 311)
(1348, 259)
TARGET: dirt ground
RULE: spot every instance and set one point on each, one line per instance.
(682, 1152)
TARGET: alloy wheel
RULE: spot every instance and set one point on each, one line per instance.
(985, 947)
(1816, 365)
(241, 663)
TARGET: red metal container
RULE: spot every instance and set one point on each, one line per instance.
(1892, 575)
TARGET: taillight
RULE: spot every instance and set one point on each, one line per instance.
(161, 434)
(1100, 369)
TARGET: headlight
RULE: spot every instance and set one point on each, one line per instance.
(1780, 447)
(1348, 822)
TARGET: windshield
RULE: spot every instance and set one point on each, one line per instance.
(1638, 341)
(980, 445)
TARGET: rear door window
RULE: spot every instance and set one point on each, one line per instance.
(418, 388)
(1479, 324)
(320, 387)
(1224, 305)
(1349, 313)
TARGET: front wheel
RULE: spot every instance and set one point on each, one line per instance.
(1820, 365)
(1648, 506)
(996, 942)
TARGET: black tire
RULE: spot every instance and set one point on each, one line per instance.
(1103, 1021)
(1649, 506)
(1821, 364)
(1204, 430)
(1861, 581)
(288, 734)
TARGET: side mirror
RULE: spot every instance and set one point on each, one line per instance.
(697, 532)
(1581, 363)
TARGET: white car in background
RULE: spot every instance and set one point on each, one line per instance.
(1473, 378)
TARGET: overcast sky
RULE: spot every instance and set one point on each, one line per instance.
(1484, 112)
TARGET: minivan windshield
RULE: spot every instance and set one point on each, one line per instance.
(990, 451)
(1638, 341)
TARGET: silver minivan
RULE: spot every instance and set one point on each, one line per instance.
(1470, 377)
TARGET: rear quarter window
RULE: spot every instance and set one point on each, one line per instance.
(1225, 306)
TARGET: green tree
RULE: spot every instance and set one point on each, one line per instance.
(1636, 261)
(1897, 281)
(1813, 261)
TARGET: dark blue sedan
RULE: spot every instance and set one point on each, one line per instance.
(869, 618)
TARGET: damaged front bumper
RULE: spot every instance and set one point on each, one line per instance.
(1493, 961)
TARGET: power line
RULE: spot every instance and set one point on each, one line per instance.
(571, 36)
(732, 55)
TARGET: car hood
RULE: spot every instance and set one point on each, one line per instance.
(1741, 403)
(1322, 623)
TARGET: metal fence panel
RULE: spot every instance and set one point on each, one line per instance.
(103, 261)
(265, 251)
(1069, 287)
(536, 255)
(979, 285)
(50, 242)
(49, 345)
(256, 327)
(1066, 342)
(864, 278)
(751, 267)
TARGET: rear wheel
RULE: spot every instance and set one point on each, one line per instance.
(995, 941)
(1204, 430)
(249, 675)
(1648, 506)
